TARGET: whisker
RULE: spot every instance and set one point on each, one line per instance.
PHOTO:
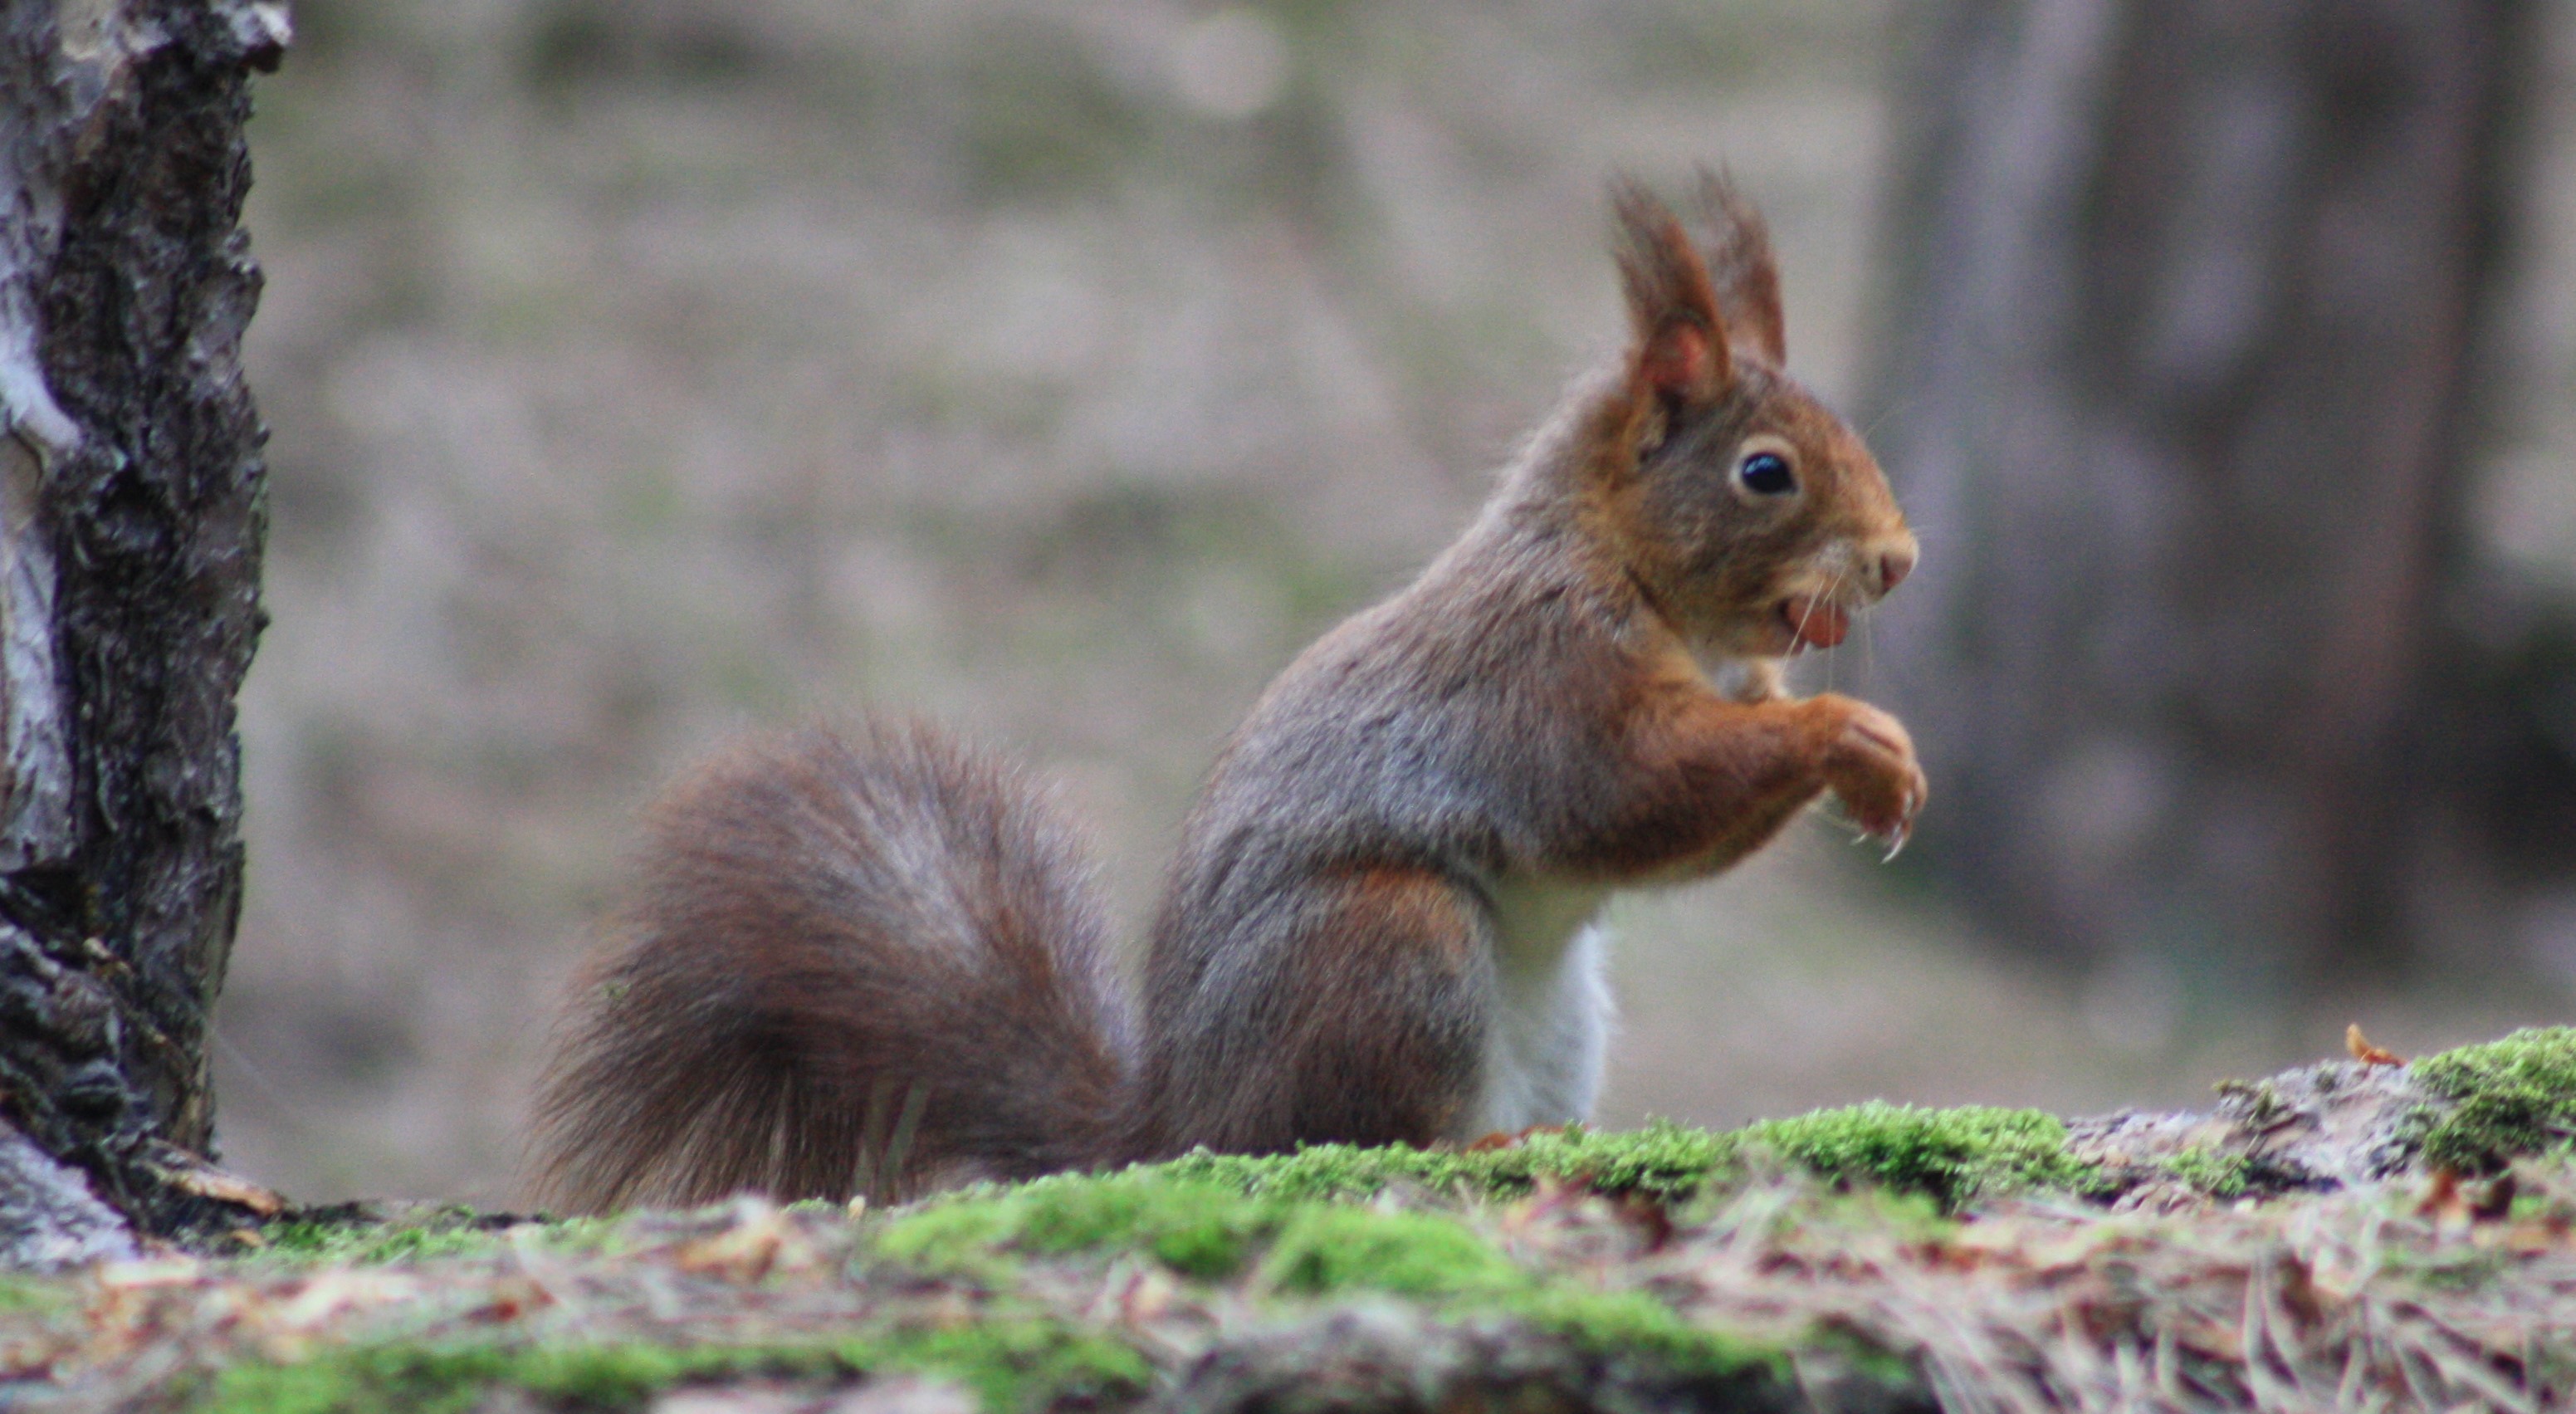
(1832, 660)
(1895, 409)
(1832, 591)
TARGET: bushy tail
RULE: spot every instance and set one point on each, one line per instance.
(853, 963)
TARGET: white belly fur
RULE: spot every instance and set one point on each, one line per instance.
(1551, 1009)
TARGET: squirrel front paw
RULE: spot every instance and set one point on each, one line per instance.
(1870, 767)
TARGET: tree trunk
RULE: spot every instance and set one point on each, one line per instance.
(2185, 300)
(131, 483)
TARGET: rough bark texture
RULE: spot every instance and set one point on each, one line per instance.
(129, 574)
(49, 1217)
(2186, 296)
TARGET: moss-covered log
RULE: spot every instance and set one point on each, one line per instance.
(2304, 1245)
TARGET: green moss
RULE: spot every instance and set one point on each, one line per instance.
(1326, 1249)
(1952, 1156)
(374, 1246)
(1293, 1248)
(1203, 1214)
(1311, 1226)
(357, 1237)
(1194, 1228)
(1293, 1244)
(423, 1381)
(1013, 1363)
(1631, 1323)
(2263, 1103)
(2507, 1097)
(1008, 1362)
(2224, 1176)
(28, 1293)
(1199, 1229)
(1663, 1160)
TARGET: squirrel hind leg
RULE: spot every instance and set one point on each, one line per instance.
(853, 964)
(1367, 1027)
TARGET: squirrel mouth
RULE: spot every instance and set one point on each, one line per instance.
(1814, 622)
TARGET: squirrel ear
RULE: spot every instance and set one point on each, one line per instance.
(1679, 348)
(1741, 268)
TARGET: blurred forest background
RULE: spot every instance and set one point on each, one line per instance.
(646, 370)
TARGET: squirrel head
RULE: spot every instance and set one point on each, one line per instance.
(1751, 516)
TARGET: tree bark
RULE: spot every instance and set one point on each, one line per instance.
(2185, 299)
(131, 482)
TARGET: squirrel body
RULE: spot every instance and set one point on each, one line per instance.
(872, 961)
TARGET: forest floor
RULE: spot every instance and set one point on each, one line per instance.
(2353, 1235)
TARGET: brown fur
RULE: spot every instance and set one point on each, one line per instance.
(1742, 267)
(843, 945)
(1360, 1028)
(854, 964)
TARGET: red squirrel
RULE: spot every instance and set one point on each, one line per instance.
(872, 961)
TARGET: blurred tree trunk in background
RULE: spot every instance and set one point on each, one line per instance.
(130, 477)
(2186, 293)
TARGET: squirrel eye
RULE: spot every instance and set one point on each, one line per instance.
(1766, 474)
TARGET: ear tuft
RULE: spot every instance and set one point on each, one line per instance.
(1677, 361)
(1742, 270)
(1678, 348)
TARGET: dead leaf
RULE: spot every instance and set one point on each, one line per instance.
(130, 1299)
(208, 1182)
(2442, 1201)
(331, 1295)
(762, 1238)
(1648, 1217)
(511, 1300)
(1499, 1139)
(2494, 1198)
(2365, 1052)
(1147, 1297)
(177, 1269)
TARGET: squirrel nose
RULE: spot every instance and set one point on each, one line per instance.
(1893, 566)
